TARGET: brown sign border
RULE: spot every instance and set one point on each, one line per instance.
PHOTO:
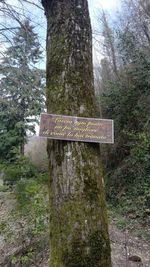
(78, 140)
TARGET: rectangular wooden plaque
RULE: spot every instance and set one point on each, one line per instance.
(76, 128)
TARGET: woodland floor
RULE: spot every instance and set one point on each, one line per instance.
(125, 243)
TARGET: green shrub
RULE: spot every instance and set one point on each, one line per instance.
(128, 185)
(32, 202)
(21, 168)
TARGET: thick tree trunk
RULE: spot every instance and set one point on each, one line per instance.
(78, 219)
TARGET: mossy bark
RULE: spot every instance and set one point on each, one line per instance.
(78, 216)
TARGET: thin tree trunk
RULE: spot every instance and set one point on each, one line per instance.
(78, 217)
(22, 148)
(110, 44)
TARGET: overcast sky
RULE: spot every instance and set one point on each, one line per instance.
(105, 4)
(94, 7)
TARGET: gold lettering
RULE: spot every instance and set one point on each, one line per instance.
(63, 120)
(66, 128)
(95, 137)
(70, 134)
(58, 127)
(85, 130)
(58, 134)
(45, 132)
(80, 123)
(79, 135)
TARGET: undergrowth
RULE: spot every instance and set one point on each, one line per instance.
(25, 227)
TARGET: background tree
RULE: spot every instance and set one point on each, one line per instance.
(12, 15)
(126, 99)
(109, 42)
(22, 88)
(78, 222)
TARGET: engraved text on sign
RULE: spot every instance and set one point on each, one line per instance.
(76, 128)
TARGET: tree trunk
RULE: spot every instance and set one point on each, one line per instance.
(78, 217)
(22, 148)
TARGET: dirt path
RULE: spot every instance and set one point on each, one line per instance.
(124, 245)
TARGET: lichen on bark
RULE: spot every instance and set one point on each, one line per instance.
(78, 216)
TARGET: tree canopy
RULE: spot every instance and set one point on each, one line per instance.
(124, 94)
(22, 88)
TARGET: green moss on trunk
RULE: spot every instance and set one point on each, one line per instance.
(78, 217)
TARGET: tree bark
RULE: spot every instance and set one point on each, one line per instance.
(22, 148)
(109, 43)
(78, 216)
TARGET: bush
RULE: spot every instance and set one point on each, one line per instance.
(129, 185)
(21, 168)
(32, 204)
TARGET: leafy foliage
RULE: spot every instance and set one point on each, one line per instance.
(20, 168)
(22, 89)
(26, 228)
(126, 99)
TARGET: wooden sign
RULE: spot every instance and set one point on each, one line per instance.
(76, 128)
